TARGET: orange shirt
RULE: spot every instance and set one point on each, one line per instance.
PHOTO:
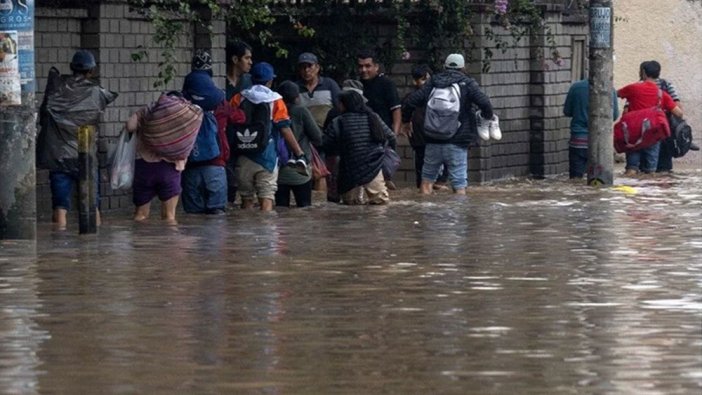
(280, 111)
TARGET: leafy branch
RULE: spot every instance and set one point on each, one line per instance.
(336, 30)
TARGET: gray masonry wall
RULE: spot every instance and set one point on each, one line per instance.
(113, 34)
(527, 86)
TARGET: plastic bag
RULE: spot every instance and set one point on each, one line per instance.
(122, 171)
(319, 168)
(391, 162)
(69, 102)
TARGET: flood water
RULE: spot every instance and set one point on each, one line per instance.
(523, 287)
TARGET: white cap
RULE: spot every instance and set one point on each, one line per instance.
(455, 61)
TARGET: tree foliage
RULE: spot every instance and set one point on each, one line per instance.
(337, 29)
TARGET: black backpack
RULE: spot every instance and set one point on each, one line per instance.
(254, 135)
(680, 136)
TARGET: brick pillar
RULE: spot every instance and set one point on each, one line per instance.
(215, 41)
(537, 109)
(479, 158)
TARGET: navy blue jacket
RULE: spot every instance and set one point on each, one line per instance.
(470, 95)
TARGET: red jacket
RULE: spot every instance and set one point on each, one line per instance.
(225, 114)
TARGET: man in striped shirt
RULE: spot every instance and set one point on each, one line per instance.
(665, 157)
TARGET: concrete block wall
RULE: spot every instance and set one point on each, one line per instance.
(527, 88)
(557, 80)
(116, 34)
(506, 83)
(527, 85)
(113, 34)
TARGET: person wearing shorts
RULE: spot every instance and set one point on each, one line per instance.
(255, 180)
(154, 176)
(257, 173)
(72, 101)
(62, 184)
(153, 179)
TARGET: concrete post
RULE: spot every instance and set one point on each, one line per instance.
(601, 150)
(17, 121)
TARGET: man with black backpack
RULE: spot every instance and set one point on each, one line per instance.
(449, 125)
(256, 140)
(680, 140)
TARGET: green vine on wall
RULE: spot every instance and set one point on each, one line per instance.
(169, 18)
(438, 25)
(336, 30)
(520, 19)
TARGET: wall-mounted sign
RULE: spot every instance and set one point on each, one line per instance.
(17, 16)
(10, 87)
(600, 27)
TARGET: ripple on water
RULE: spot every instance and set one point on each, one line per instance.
(598, 288)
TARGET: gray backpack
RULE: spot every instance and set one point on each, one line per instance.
(442, 111)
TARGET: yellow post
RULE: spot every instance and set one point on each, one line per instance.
(87, 182)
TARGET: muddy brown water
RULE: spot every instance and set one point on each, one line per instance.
(523, 287)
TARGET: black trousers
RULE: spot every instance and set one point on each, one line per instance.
(302, 193)
(665, 158)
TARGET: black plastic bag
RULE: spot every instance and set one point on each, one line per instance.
(70, 101)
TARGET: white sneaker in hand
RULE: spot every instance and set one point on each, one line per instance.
(483, 126)
(494, 128)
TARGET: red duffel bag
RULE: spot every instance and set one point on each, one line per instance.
(640, 129)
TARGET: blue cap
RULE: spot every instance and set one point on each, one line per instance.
(83, 60)
(262, 72)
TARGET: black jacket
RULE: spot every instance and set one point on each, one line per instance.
(470, 95)
(360, 156)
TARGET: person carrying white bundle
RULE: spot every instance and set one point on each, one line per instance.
(488, 129)
(450, 125)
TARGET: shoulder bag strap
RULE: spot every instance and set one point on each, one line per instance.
(660, 98)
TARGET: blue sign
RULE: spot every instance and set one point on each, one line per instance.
(18, 15)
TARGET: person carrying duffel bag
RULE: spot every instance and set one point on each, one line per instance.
(640, 130)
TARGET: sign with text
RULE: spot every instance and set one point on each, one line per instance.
(600, 27)
(10, 88)
(18, 16)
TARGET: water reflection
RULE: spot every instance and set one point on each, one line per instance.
(20, 336)
(522, 287)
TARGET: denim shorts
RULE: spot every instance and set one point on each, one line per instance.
(62, 184)
(454, 157)
(152, 179)
(204, 189)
